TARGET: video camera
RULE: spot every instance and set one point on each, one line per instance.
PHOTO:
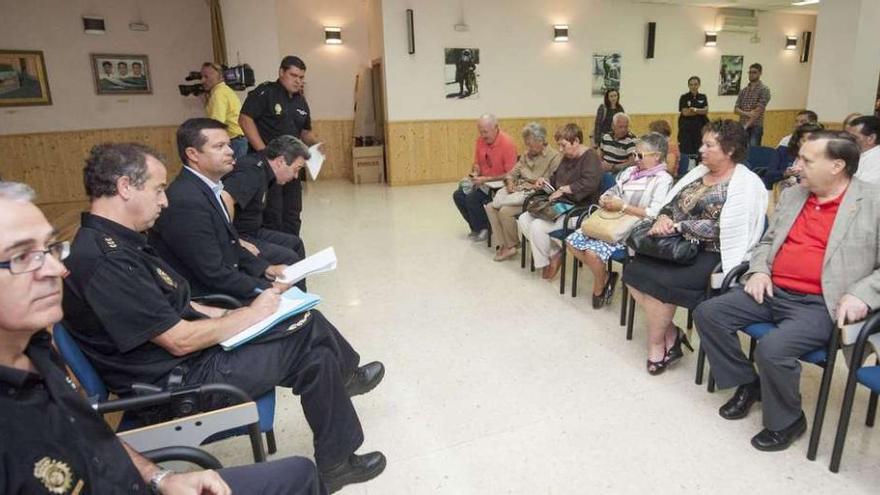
(237, 78)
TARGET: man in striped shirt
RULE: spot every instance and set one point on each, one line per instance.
(617, 148)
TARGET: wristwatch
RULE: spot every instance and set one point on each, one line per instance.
(157, 478)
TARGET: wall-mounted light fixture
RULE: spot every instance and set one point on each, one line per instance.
(560, 33)
(332, 35)
(711, 39)
(791, 42)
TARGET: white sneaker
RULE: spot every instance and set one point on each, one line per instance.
(482, 236)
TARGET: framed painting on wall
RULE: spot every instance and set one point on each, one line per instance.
(730, 76)
(461, 71)
(121, 74)
(606, 72)
(23, 79)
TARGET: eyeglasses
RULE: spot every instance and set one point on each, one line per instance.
(641, 156)
(32, 261)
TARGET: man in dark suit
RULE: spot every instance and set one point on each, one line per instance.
(195, 234)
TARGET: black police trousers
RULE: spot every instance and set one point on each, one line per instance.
(314, 361)
(287, 476)
(278, 248)
(283, 207)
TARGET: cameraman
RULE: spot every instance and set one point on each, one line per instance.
(273, 109)
(223, 105)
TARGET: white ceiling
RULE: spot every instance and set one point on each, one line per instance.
(742, 4)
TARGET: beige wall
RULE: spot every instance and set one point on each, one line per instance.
(178, 41)
(522, 72)
(252, 36)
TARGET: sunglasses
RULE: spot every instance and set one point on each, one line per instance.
(641, 156)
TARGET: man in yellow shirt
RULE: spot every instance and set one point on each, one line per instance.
(223, 105)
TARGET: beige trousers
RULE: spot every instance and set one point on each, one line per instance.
(504, 232)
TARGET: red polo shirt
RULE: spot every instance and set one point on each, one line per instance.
(798, 264)
(495, 159)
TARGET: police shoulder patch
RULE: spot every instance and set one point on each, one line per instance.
(56, 476)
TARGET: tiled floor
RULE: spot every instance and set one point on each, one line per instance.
(498, 384)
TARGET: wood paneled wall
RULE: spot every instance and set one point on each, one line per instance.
(428, 151)
(52, 162)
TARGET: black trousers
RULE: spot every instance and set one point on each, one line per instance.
(284, 207)
(802, 325)
(471, 208)
(287, 476)
(314, 361)
(278, 248)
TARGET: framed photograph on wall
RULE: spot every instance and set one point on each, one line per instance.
(23, 79)
(730, 77)
(461, 72)
(121, 74)
(606, 72)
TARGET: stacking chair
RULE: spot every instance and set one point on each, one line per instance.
(823, 357)
(869, 376)
(762, 159)
(98, 393)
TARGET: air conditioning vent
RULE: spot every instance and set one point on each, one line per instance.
(737, 21)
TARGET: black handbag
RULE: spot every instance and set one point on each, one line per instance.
(674, 248)
(541, 207)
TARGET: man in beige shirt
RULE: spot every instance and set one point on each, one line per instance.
(540, 160)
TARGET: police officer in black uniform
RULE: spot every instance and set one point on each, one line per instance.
(131, 313)
(271, 110)
(693, 108)
(51, 440)
(245, 192)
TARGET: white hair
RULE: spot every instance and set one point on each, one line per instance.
(16, 191)
(618, 116)
(489, 119)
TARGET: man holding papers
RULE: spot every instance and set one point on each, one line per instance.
(195, 234)
(245, 196)
(132, 315)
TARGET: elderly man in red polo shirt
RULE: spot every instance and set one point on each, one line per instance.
(494, 157)
(817, 267)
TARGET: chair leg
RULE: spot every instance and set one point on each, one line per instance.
(630, 316)
(270, 442)
(710, 386)
(845, 413)
(624, 300)
(574, 276)
(690, 320)
(533, 262)
(701, 365)
(872, 410)
(562, 262)
(522, 252)
(822, 400)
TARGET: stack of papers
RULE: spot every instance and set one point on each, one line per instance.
(293, 302)
(313, 165)
(320, 262)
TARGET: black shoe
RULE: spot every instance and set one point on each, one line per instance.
(355, 469)
(610, 285)
(675, 353)
(774, 441)
(598, 301)
(365, 379)
(738, 406)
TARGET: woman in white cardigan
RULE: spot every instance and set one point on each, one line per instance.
(721, 204)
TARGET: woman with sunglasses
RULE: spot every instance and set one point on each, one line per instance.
(639, 187)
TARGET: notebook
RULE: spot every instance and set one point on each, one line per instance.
(293, 302)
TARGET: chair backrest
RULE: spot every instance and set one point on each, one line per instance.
(785, 160)
(762, 157)
(608, 181)
(86, 374)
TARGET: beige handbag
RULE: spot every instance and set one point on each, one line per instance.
(609, 226)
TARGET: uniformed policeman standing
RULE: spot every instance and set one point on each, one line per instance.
(132, 315)
(271, 110)
(693, 108)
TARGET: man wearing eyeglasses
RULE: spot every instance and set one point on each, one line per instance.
(132, 315)
(751, 104)
(53, 442)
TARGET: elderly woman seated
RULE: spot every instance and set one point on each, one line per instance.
(539, 161)
(576, 181)
(720, 205)
(638, 189)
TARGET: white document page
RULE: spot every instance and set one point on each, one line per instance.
(314, 163)
(322, 261)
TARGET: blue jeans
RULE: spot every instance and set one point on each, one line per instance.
(756, 132)
(239, 146)
(471, 208)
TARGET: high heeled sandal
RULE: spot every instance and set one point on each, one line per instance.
(674, 353)
(656, 367)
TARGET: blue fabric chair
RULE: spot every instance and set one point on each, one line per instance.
(97, 391)
(868, 376)
(761, 159)
(823, 357)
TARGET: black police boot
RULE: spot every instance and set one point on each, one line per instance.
(355, 469)
(739, 405)
(774, 441)
(365, 379)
